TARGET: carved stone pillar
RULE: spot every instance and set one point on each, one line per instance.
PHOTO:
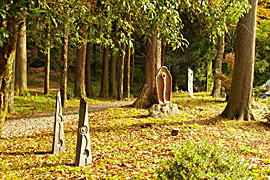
(59, 136)
(83, 150)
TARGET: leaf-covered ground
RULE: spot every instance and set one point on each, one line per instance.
(128, 144)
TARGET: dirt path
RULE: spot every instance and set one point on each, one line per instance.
(37, 123)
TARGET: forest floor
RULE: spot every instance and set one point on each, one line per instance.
(128, 144)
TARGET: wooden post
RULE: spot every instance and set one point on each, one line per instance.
(83, 150)
(59, 135)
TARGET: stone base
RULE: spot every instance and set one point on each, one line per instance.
(163, 110)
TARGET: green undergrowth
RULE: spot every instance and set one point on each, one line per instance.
(203, 160)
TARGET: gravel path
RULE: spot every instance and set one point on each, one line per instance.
(34, 124)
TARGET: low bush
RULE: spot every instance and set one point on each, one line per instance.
(203, 161)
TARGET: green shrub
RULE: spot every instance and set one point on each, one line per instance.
(203, 161)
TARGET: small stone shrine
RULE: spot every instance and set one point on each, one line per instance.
(59, 136)
(83, 150)
(190, 83)
(163, 94)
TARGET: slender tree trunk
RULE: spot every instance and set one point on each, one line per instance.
(11, 91)
(152, 65)
(207, 76)
(163, 52)
(21, 61)
(64, 68)
(132, 69)
(88, 75)
(47, 72)
(121, 74)
(239, 104)
(79, 89)
(104, 91)
(127, 74)
(7, 55)
(112, 85)
(113, 89)
(218, 65)
(94, 60)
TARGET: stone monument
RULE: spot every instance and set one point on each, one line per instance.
(163, 85)
(163, 94)
(267, 86)
(83, 150)
(190, 83)
(59, 136)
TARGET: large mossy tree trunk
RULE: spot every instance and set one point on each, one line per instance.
(152, 65)
(21, 61)
(239, 104)
(163, 52)
(104, 91)
(79, 89)
(120, 94)
(218, 65)
(127, 74)
(64, 68)
(7, 56)
(88, 73)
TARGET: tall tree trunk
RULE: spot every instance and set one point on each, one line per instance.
(152, 65)
(113, 89)
(11, 91)
(21, 61)
(132, 69)
(239, 104)
(94, 60)
(163, 52)
(127, 74)
(112, 85)
(79, 89)
(7, 55)
(121, 73)
(207, 76)
(218, 65)
(64, 68)
(104, 91)
(47, 72)
(88, 75)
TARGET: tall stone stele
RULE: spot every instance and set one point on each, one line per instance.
(59, 136)
(190, 83)
(164, 108)
(83, 150)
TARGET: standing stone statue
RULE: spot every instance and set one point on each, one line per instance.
(164, 108)
(59, 136)
(163, 85)
(83, 150)
(190, 83)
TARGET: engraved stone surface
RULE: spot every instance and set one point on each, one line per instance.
(83, 150)
(190, 83)
(163, 85)
(59, 136)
